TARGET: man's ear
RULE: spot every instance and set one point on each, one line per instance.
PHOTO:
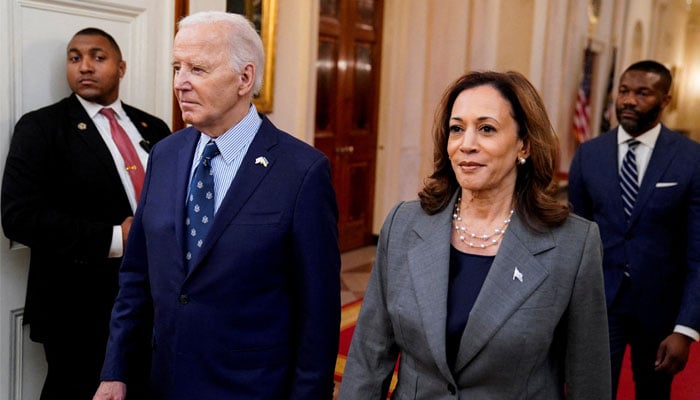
(247, 79)
(665, 101)
(122, 68)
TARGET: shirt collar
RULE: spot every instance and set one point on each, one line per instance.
(647, 138)
(93, 109)
(237, 138)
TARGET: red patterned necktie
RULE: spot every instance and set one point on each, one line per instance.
(132, 163)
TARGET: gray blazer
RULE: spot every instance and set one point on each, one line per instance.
(539, 323)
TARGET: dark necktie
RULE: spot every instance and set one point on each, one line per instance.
(629, 178)
(132, 163)
(200, 202)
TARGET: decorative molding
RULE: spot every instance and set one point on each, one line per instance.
(100, 10)
(85, 8)
(16, 353)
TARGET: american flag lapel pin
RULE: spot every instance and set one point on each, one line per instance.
(517, 275)
(262, 160)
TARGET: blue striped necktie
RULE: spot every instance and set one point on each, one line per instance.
(200, 202)
(629, 178)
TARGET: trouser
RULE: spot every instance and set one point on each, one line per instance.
(73, 369)
(625, 330)
(74, 366)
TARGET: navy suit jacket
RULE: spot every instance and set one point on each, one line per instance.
(660, 246)
(258, 315)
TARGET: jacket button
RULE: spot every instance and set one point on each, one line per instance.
(184, 299)
(451, 388)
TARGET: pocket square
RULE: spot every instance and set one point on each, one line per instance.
(665, 184)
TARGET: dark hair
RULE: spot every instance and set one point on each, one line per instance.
(656, 68)
(100, 32)
(534, 187)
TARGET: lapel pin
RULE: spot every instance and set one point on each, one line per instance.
(144, 124)
(82, 126)
(146, 145)
(262, 160)
(517, 275)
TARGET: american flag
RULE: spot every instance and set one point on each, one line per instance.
(582, 113)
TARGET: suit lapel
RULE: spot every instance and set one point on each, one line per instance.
(147, 134)
(247, 179)
(663, 153)
(608, 149)
(183, 168)
(429, 265)
(83, 127)
(503, 292)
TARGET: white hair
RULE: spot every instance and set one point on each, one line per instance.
(245, 45)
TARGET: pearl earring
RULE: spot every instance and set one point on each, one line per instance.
(522, 160)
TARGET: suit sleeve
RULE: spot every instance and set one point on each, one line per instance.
(373, 351)
(316, 277)
(587, 345)
(689, 314)
(578, 194)
(31, 209)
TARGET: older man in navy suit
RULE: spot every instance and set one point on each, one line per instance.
(233, 250)
(641, 183)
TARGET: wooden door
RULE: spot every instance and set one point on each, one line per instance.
(347, 100)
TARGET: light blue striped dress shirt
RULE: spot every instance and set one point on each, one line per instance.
(233, 145)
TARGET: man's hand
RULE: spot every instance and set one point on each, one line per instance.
(673, 353)
(111, 390)
(126, 226)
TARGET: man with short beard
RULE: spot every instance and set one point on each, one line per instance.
(641, 183)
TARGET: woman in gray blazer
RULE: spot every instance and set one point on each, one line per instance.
(485, 288)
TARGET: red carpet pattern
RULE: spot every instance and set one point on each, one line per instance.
(348, 317)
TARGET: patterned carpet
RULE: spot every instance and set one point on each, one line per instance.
(348, 317)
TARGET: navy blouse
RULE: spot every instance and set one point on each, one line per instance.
(467, 275)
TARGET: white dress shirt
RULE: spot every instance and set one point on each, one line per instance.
(93, 110)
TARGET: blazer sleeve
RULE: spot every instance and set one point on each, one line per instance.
(587, 345)
(373, 350)
(316, 280)
(31, 213)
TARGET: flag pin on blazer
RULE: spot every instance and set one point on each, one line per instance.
(262, 160)
(517, 275)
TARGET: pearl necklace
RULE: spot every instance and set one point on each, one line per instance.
(482, 241)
